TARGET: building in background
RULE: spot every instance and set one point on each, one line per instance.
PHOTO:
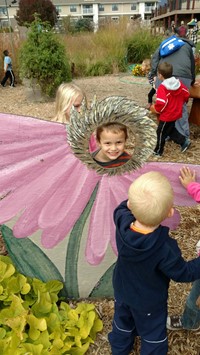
(98, 11)
(175, 11)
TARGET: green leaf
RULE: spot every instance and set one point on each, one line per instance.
(44, 340)
(97, 327)
(84, 307)
(36, 325)
(2, 333)
(43, 306)
(71, 268)
(29, 259)
(14, 310)
(80, 351)
(18, 283)
(17, 324)
(86, 323)
(6, 270)
(31, 349)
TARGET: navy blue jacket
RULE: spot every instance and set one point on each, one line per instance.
(146, 263)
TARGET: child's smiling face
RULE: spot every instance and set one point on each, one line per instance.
(112, 145)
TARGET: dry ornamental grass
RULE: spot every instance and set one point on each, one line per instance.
(187, 235)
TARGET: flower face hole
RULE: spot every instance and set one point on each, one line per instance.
(141, 132)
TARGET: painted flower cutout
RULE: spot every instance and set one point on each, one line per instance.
(47, 186)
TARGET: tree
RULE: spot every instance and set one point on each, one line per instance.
(43, 59)
(84, 25)
(44, 9)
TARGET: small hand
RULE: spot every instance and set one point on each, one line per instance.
(186, 176)
(196, 83)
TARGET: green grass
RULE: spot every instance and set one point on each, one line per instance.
(108, 51)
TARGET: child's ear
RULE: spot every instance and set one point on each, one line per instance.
(171, 213)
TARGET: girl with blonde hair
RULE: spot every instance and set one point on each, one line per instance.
(66, 96)
(69, 95)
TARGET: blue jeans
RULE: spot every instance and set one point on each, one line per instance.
(129, 323)
(191, 315)
(182, 125)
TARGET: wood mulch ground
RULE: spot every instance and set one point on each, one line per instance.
(15, 101)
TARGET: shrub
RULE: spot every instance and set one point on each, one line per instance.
(142, 45)
(33, 320)
(42, 57)
(83, 25)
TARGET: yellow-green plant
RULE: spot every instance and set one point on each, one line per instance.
(33, 321)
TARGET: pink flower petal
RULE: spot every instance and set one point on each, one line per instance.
(17, 128)
(51, 236)
(101, 223)
(26, 171)
(70, 198)
(112, 190)
(11, 153)
(40, 188)
(172, 172)
(52, 178)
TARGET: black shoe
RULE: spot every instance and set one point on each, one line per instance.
(3, 86)
(157, 154)
(174, 323)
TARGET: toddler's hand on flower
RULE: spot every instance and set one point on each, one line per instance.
(187, 176)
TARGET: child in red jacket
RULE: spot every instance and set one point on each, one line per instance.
(170, 97)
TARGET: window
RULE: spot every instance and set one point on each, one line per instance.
(87, 9)
(149, 4)
(149, 7)
(58, 9)
(101, 8)
(3, 11)
(72, 8)
(133, 7)
(4, 23)
(114, 7)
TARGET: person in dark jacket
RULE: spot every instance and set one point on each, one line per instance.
(184, 69)
(147, 259)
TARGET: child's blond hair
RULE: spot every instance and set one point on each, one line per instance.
(65, 96)
(151, 198)
(146, 65)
